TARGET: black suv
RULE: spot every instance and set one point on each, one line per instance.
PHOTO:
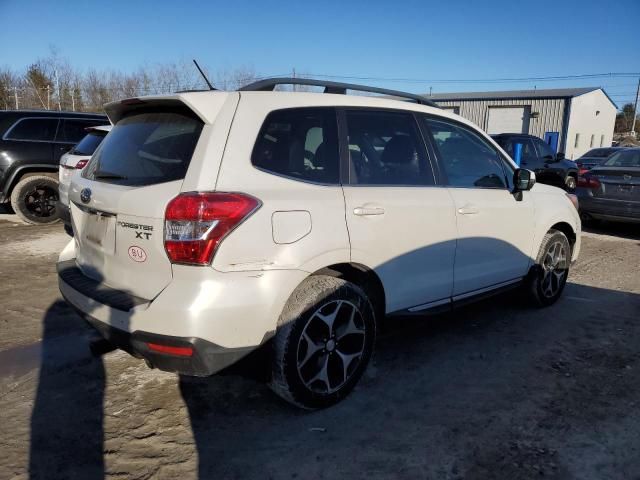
(31, 144)
(551, 168)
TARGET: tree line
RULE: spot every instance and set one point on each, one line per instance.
(52, 83)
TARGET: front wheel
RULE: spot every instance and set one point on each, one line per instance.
(324, 342)
(549, 274)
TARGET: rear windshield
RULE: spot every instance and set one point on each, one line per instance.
(146, 147)
(88, 144)
(628, 158)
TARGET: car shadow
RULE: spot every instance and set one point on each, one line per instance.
(67, 419)
(630, 231)
(438, 384)
(67, 440)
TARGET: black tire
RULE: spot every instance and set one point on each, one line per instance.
(34, 199)
(571, 183)
(296, 357)
(548, 276)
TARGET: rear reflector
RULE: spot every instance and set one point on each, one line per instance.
(197, 222)
(179, 351)
(81, 164)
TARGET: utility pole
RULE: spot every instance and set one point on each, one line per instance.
(73, 101)
(48, 97)
(15, 93)
(293, 75)
(635, 111)
(58, 90)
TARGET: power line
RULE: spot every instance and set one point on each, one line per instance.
(479, 80)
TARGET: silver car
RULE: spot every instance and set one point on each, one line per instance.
(74, 161)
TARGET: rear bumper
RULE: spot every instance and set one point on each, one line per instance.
(608, 209)
(206, 359)
(221, 316)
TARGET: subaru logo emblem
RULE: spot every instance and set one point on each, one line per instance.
(85, 195)
(626, 177)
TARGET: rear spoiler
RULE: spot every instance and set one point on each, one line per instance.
(205, 104)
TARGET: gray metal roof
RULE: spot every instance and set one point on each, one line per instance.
(514, 94)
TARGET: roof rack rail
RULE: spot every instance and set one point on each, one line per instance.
(269, 84)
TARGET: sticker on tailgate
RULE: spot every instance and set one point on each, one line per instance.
(137, 254)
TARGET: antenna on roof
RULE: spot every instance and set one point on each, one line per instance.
(203, 75)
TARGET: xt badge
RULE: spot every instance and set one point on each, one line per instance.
(142, 231)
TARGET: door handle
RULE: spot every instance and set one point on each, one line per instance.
(365, 211)
(468, 210)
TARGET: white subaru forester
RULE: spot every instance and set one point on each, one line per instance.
(208, 224)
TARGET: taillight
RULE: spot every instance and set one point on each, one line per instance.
(197, 222)
(81, 164)
(587, 181)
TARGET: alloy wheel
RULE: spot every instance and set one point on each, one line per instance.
(331, 346)
(555, 268)
(41, 201)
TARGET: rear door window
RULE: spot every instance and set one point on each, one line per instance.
(301, 143)
(147, 147)
(72, 130)
(88, 144)
(385, 148)
(34, 129)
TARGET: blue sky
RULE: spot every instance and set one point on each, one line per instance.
(392, 39)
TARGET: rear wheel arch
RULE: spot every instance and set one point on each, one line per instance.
(363, 277)
(29, 171)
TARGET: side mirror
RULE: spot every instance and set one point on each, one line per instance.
(523, 179)
(559, 156)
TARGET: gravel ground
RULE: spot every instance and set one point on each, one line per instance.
(494, 390)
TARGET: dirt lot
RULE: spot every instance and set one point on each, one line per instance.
(496, 390)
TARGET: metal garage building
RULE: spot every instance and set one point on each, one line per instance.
(571, 120)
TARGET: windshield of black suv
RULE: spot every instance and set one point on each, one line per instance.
(89, 143)
(625, 158)
(147, 147)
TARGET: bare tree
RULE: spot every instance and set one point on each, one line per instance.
(9, 82)
(53, 82)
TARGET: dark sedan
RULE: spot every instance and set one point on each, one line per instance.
(595, 157)
(611, 191)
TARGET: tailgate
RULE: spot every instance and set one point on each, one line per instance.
(118, 202)
(120, 238)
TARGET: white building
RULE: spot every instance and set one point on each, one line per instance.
(571, 120)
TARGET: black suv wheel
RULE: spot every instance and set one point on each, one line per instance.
(34, 199)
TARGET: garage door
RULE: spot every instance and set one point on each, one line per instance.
(508, 119)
